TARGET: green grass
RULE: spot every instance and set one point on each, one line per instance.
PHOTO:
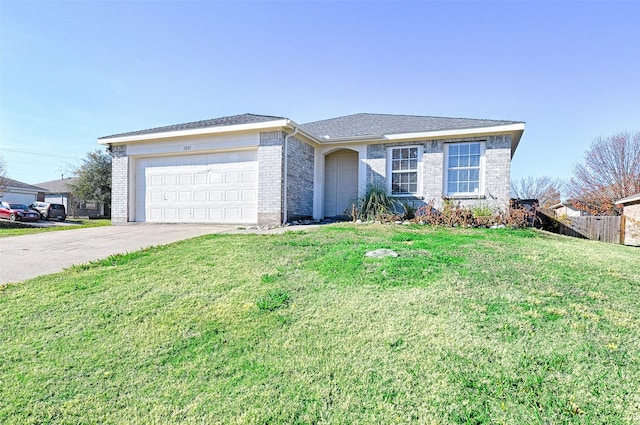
(464, 327)
(80, 223)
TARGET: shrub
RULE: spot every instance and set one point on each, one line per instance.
(376, 205)
(409, 210)
(455, 215)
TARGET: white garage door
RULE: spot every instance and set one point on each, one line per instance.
(206, 188)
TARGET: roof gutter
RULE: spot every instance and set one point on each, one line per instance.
(265, 125)
(285, 189)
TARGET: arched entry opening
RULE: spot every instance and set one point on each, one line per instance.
(340, 182)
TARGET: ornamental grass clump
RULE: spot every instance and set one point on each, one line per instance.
(376, 205)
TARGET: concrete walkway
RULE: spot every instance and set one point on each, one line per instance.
(29, 256)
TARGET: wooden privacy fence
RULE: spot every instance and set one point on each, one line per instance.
(598, 228)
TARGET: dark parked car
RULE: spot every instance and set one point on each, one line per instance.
(48, 210)
(17, 212)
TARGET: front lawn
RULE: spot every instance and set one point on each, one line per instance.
(6, 228)
(464, 327)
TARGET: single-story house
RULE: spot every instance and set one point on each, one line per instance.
(631, 219)
(19, 192)
(566, 209)
(60, 193)
(259, 169)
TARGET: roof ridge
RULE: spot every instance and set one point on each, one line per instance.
(8, 182)
(414, 116)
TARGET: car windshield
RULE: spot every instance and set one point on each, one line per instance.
(18, 207)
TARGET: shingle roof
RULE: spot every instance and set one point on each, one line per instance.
(216, 122)
(15, 184)
(363, 124)
(57, 186)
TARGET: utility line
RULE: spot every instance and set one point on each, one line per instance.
(38, 153)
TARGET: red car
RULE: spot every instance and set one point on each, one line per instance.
(18, 212)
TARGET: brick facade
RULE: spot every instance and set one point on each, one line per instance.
(119, 185)
(270, 182)
(632, 224)
(496, 177)
(301, 172)
(300, 163)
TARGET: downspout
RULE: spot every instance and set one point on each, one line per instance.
(285, 189)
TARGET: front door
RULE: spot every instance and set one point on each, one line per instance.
(340, 183)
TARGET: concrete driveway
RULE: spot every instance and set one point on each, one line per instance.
(28, 256)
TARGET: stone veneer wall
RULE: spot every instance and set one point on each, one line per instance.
(119, 184)
(497, 171)
(300, 173)
(632, 224)
(270, 183)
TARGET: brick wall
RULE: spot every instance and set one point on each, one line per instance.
(300, 173)
(433, 172)
(632, 224)
(119, 185)
(376, 165)
(270, 166)
(498, 172)
(496, 176)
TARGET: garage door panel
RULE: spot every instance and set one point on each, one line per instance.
(249, 195)
(232, 214)
(215, 195)
(219, 187)
(231, 195)
(249, 213)
(201, 178)
(232, 177)
(249, 176)
(216, 178)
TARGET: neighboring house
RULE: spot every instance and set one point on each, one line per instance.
(566, 209)
(19, 192)
(631, 219)
(258, 169)
(60, 193)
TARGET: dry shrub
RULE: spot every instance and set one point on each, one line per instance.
(455, 215)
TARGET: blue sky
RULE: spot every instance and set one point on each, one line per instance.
(71, 72)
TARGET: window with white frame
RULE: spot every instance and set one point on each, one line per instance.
(404, 170)
(464, 161)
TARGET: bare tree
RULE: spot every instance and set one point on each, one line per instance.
(547, 190)
(611, 171)
(3, 173)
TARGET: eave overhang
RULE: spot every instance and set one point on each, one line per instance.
(515, 129)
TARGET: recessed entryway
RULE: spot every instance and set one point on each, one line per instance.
(340, 182)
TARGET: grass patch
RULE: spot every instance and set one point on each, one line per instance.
(78, 224)
(274, 300)
(466, 326)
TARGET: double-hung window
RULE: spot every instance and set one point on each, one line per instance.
(404, 170)
(464, 162)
